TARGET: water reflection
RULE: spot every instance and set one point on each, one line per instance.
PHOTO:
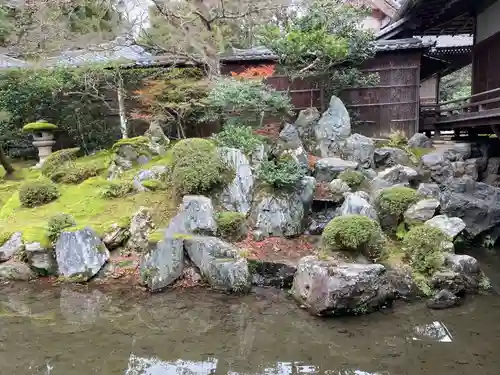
(435, 331)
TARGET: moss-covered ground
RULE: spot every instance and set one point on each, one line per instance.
(83, 201)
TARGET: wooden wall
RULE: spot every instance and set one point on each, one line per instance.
(485, 65)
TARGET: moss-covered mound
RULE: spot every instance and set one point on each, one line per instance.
(37, 193)
(354, 233)
(351, 178)
(391, 204)
(38, 126)
(230, 225)
(282, 173)
(58, 159)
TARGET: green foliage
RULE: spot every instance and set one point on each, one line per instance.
(351, 178)
(243, 101)
(140, 144)
(116, 189)
(57, 223)
(153, 185)
(394, 201)
(456, 85)
(397, 139)
(58, 159)
(37, 192)
(196, 166)
(229, 224)
(5, 236)
(423, 246)
(240, 137)
(75, 174)
(33, 127)
(354, 233)
(281, 173)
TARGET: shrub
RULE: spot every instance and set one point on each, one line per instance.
(280, 173)
(397, 139)
(393, 202)
(229, 224)
(57, 159)
(57, 223)
(38, 127)
(352, 178)
(116, 189)
(38, 192)
(354, 233)
(72, 174)
(423, 246)
(240, 137)
(186, 147)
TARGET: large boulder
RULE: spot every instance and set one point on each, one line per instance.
(289, 144)
(283, 213)
(326, 287)
(360, 149)
(438, 166)
(141, 225)
(421, 211)
(476, 203)
(15, 271)
(390, 156)
(305, 124)
(358, 204)
(11, 247)
(237, 195)
(399, 175)
(428, 190)
(41, 259)
(467, 168)
(332, 129)
(461, 274)
(80, 254)
(326, 169)
(219, 262)
(459, 151)
(198, 214)
(451, 226)
(163, 262)
(419, 140)
(158, 140)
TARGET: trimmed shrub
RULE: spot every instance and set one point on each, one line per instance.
(116, 189)
(230, 224)
(37, 193)
(351, 178)
(57, 159)
(281, 173)
(423, 247)
(240, 137)
(354, 233)
(72, 174)
(186, 147)
(57, 223)
(392, 202)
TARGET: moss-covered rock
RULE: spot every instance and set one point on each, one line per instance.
(354, 233)
(423, 246)
(153, 184)
(39, 126)
(391, 203)
(351, 178)
(38, 192)
(57, 223)
(75, 174)
(58, 159)
(230, 225)
(116, 189)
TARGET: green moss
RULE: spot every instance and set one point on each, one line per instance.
(354, 233)
(73, 174)
(183, 236)
(229, 224)
(5, 236)
(140, 144)
(391, 203)
(36, 234)
(423, 246)
(37, 193)
(398, 139)
(156, 236)
(282, 173)
(153, 184)
(57, 159)
(116, 189)
(352, 178)
(34, 127)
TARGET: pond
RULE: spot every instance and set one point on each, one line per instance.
(81, 330)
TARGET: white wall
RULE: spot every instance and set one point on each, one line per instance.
(488, 22)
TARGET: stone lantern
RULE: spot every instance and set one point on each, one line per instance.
(43, 138)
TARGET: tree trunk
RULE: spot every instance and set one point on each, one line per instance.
(5, 163)
(122, 112)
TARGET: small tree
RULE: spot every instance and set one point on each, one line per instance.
(326, 38)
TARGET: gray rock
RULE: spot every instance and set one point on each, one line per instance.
(439, 167)
(456, 282)
(467, 168)
(141, 226)
(332, 129)
(11, 247)
(198, 215)
(219, 263)
(476, 203)
(305, 124)
(358, 204)
(390, 156)
(402, 281)
(493, 166)
(15, 271)
(459, 151)
(428, 190)
(419, 140)
(237, 195)
(360, 149)
(284, 214)
(80, 254)
(326, 287)
(421, 211)
(451, 226)
(338, 188)
(158, 140)
(258, 236)
(462, 264)
(115, 237)
(163, 262)
(258, 156)
(397, 175)
(444, 299)
(40, 259)
(327, 169)
(289, 144)
(157, 172)
(318, 219)
(447, 247)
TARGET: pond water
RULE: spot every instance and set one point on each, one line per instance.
(79, 330)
